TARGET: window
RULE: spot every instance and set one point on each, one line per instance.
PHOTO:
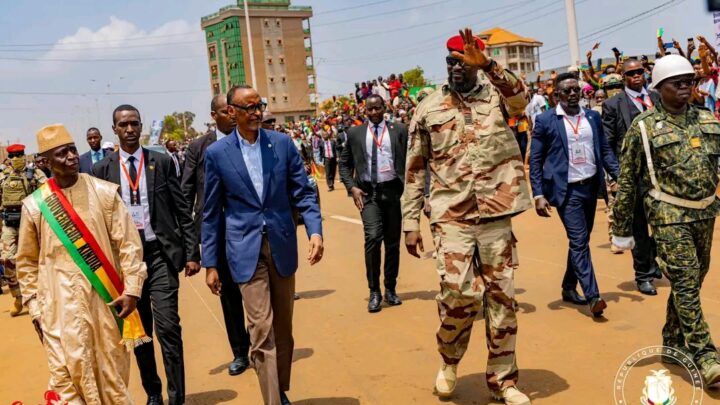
(282, 61)
(266, 22)
(284, 79)
(277, 22)
(211, 51)
(272, 98)
(285, 98)
(513, 66)
(269, 61)
(216, 88)
(272, 79)
(279, 42)
(496, 52)
(214, 70)
(210, 34)
(267, 42)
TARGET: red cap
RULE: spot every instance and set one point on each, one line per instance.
(456, 44)
(15, 148)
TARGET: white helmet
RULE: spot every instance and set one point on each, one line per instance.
(670, 66)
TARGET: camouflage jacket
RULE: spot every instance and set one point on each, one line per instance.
(684, 151)
(38, 175)
(474, 160)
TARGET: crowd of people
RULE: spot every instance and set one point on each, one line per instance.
(123, 223)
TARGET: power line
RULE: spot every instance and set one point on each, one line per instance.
(338, 10)
(425, 24)
(103, 41)
(119, 93)
(159, 58)
(375, 14)
(63, 49)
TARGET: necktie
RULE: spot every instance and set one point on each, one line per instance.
(643, 105)
(96, 157)
(134, 199)
(374, 160)
(177, 163)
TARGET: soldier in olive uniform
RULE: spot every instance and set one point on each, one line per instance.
(16, 182)
(477, 184)
(672, 152)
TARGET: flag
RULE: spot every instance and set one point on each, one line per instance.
(660, 32)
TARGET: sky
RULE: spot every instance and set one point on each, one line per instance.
(74, 61)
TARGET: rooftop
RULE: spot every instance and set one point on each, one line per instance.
(272, 5)
(499, 36)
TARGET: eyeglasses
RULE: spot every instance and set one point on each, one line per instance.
(252, 108)
(452, 61)
(679, 83)
(570, 90)
(124, 124)
(636, 72)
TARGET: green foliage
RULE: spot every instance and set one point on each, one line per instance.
(415, 77)
(174, 127)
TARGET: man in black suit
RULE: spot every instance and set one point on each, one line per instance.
(172, 150)
(618, 113)
(193, 186)
(329, 155)
(150, 188)
(95, 154)
(372, 167)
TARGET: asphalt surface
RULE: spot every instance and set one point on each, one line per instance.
(346, 356)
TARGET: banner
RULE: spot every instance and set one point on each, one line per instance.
(716, 21)
(155, 131)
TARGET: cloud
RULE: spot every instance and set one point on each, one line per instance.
(93, 71)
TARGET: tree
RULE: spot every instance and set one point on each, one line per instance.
(335, 102)
(177, 125)
(415, 77)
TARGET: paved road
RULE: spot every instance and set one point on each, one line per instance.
(345, 356)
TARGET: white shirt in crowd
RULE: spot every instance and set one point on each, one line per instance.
(125, 189)
(634, 95)
(581, 148)
(385, 162)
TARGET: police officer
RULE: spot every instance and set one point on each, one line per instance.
(478, 183)
(17, 181)
(671, 153)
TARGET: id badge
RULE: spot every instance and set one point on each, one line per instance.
(577, 154)
(137, 214)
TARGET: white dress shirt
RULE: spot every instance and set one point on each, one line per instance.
(581, 148)
(125, 189)
(175, 160)
(634, 95)
(220, 134)
(385, 161)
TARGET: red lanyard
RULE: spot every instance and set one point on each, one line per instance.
(134, 186)
(576, 127)
(382, 135)
(647, 105)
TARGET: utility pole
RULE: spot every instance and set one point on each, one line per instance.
(250, 46)
(573, 42)
(184, 126)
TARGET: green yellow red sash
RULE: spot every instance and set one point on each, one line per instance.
(88, 256)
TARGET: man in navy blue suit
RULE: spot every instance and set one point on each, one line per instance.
(253, 180)
(569, 154)
(95, 154)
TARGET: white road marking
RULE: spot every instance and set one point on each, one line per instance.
(220, 324)
(347, 219)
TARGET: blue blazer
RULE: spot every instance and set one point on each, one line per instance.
(549, 160)
(232, 203)
(86, 163)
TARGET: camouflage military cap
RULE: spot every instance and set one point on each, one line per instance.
(612, 80)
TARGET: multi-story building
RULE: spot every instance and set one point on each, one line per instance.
(519, 54)
(282, 52)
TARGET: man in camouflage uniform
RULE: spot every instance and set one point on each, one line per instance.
(478, 183)
(17, 181)
(670, 152)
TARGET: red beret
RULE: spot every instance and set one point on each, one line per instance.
(456, 44)
(15, 148)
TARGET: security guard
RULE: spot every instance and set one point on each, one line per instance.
(17, 181)
(478, 184)
(672, 152)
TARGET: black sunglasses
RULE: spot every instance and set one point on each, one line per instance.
(636, 72)
(452, 61)
(570, 90)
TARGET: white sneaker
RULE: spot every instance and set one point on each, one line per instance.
(511, 396)
(446, 381)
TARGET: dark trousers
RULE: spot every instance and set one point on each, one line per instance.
(522, 140)
(330, 169)
(233, 314)
(159, 306)
(269, 304)
(644, 251)
(382, 222)
(578, 214)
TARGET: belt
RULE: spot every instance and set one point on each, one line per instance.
(583, 181)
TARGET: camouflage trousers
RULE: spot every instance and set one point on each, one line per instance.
(609, 210)
(9, 250)
(476, 262)
(683, 253)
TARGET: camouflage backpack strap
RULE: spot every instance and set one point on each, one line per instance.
(658, 194)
